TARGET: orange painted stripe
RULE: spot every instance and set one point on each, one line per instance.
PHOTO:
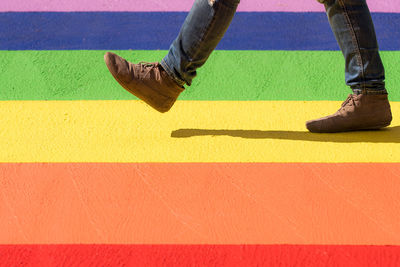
(199, 255)
(200, 203)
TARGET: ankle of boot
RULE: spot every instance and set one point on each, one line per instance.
(171, 75)
(369, 92)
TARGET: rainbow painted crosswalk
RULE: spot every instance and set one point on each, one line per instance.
(89, 175)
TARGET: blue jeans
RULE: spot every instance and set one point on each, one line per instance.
(350, 21)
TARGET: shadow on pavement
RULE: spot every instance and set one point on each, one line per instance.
(386, 135)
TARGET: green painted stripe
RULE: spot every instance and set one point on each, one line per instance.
(228, 75)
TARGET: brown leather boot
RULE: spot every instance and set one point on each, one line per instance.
(358, 112)
(147, 81)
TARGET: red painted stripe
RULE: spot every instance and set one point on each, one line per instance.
(200, 203)
(198, 255)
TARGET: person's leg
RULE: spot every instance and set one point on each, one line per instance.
(352, 26)
(159, 84)
(202, 30)
(368, 106)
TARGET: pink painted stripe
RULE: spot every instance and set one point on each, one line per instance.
(392, 6)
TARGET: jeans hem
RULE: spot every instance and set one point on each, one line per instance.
(370, 91)
(168, 70)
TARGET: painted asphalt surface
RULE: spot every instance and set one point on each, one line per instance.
(178, 5)
(248, 31)
(229, 176)
(248, 76)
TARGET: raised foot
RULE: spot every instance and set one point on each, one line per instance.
(147, 81)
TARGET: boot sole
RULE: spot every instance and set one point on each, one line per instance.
(372, 128)
(377, 127)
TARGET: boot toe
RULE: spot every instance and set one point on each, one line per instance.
(118, 67)
(314, 126)
(109, 58)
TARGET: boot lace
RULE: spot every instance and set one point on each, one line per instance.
(350, 99)
(146, 68)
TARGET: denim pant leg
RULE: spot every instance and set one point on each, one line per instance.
(353, 28)
(202, 30)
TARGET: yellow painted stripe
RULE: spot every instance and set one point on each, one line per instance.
(193, 131)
